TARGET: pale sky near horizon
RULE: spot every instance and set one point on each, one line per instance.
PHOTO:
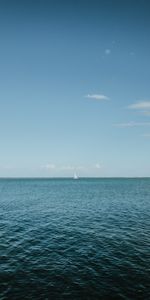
(74, 88)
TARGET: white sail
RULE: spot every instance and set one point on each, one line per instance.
(75, 176)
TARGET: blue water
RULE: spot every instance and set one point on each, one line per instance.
(74, 239)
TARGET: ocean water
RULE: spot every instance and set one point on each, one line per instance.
(74, 239)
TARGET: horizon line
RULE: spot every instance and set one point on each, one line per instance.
(69, 177)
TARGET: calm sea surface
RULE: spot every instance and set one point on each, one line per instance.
(74, 239)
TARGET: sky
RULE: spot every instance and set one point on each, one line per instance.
(74, 88)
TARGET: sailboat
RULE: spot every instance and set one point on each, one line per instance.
(75, 176)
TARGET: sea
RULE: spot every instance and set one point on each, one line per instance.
(72, 239)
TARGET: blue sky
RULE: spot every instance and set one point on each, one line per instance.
(74, 88)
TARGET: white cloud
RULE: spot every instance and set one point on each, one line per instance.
(107, 51)
(71, 168)
(49, 167)
(67, 168)
(132, 124)
(140, 105)
(97, 97)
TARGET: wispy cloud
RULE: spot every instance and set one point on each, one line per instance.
(67, 168)
(71, 167)
(141, 106)
(107, 51)
(132, 124)
(58, 167)
(49, 166)
(97, 97)
(144, 106)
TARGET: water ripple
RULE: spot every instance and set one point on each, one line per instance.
(62, 239)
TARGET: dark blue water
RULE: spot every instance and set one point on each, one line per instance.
(74, 239)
